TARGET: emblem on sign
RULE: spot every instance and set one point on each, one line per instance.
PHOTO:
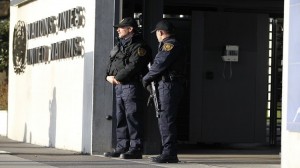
(19, 47)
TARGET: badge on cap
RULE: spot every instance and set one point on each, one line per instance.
(168, 47)
(141, 51)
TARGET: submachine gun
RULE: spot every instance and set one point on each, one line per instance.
(154, 96)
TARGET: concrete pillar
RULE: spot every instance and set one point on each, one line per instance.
(107, 14)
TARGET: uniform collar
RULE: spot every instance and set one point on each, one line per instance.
(130, 40)
(167, 39)
(125, 41)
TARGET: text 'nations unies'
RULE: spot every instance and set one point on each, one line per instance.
(73, 18)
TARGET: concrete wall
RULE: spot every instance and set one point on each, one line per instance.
(51, 103)
(3, 123)
(291, 87)
(228, 100)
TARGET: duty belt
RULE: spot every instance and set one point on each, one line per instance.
(171, 78)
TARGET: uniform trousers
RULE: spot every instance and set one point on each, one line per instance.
(170, 94)
(128, 113)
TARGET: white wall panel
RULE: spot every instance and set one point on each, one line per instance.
(47, 102)
(290, 99)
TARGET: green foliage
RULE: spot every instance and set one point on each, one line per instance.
(3, 95)
(4, 44)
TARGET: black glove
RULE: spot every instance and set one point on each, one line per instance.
(149, 89)
(145, 84)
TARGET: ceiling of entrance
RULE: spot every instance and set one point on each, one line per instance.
(272, 7)
(257, 6)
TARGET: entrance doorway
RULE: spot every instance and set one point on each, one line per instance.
(226, 102)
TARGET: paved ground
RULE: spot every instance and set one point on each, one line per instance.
(15, 154)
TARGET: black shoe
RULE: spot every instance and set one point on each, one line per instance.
(132, 154)
(115, 153)
(165, 159)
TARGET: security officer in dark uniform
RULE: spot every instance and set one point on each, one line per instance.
(168, 70)
(128, 62)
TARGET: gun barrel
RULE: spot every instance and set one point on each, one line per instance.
(154, 97)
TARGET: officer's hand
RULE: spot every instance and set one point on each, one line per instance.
(110, 79)
(116, 82)
(149, 89)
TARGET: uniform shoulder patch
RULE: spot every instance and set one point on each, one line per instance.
(168, 47)
(141, 51)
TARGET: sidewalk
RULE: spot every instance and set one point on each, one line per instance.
(15, 154)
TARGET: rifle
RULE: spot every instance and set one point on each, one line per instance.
(153, 95)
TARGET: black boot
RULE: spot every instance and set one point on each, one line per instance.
(165, 159)
(115, 153)
(132, 154)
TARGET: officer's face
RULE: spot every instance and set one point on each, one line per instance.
(159, 35)
(124, 31)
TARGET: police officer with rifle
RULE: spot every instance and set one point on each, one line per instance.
(168, 71)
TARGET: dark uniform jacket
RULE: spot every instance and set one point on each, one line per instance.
(168, 63)
(129, 59)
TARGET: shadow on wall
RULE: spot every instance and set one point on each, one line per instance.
(52, 125)
(25, 135)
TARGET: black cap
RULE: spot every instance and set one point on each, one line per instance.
(129, 21)
(164, 25)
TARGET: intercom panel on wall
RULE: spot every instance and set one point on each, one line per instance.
(231, 53)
